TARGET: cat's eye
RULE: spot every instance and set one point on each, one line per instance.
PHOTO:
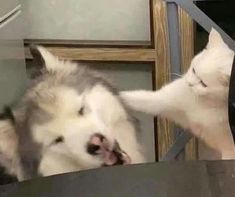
(58, 140)
(194, 71)
(81, 111)
(203, 84)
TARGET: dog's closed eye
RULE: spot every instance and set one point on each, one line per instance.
(81, 111)
(59, 139)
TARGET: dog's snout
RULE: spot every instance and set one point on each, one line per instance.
(95, 144)
(111, 153)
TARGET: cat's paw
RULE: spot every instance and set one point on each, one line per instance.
(131, 98)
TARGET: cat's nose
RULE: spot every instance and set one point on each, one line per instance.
(190, 84)
(95, 144)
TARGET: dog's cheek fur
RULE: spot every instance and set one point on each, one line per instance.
(8, 146)
(57, 163)
(29, 151)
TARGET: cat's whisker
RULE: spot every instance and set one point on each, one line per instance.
(176, 74)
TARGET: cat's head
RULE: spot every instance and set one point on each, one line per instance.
(210, 70)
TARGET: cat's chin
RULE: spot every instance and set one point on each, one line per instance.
(200, 93)
(197, 90)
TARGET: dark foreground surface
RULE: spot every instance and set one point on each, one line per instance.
(171, 179)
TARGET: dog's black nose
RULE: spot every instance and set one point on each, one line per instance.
(95, 144)
(93, 149)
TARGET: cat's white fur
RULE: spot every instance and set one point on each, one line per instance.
(201, 110)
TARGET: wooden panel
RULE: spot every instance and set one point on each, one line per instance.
(187, 39)
(91, 43)
(187, 51)
(101, 54)
(165, 136)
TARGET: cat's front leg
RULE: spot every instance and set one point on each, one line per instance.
(140, 100)
(149, 102)
(171, 101)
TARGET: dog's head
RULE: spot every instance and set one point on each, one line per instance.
(70, 119)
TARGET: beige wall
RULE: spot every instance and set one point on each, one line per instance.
(87, 19)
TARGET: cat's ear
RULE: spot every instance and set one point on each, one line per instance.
(225, 74)
(215, 39)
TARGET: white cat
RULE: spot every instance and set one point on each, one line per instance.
(198, 100)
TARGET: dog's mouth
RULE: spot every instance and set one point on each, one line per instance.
(110, 154)
(116, 157)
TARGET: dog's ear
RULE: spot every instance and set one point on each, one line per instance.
(38, 59)
(46, 61)
(43, 59)
(38, 62)
(7, 114)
